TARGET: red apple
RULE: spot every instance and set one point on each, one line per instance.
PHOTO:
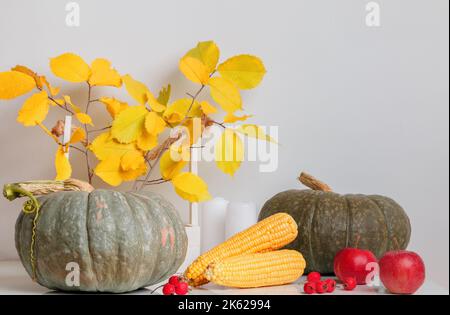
(352, 262)
(402, 272)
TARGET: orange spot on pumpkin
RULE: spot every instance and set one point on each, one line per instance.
(164, 236)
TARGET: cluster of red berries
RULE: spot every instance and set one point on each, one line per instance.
(176, 285)
(315, 284)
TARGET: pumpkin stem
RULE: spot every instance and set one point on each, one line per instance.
(43, 187)
(313, 183)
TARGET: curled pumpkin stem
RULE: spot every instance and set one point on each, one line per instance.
(14, 191)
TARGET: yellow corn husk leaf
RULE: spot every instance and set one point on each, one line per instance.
(244, 70)
(172, 163)
(132, 160)
(146, 141)
(154, 124)
(164, 95)
(155, 105)
(229, 152)
(70, 67)
(109, 171)
(113, 106)
(78, 135)
(129, 124)
(84, 118)
(68, 100)
(207, 108)
(34, 110)
(14, 84)
(191, 187)
(105, 146)
(137, 90)
(178, 110)
(230, 118)
(62, 165)
(255, 131)
(194, 70)
(226, 94)
(103, 75)
(208, 53)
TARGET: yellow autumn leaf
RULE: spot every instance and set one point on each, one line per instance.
(78, 135)
(194, 70)
(129, 124)
(230, 118)
(208, 53)
(164, 95)
(105, 146)
(113, 106)
(191, 187)
(255, 131)
(154, 124)
(244, 70)
(172, 163)
(131, 160)
(229, 152)
(109, 171)
(155, 105)
(194, 130)
(84, 118)
(51, 89)
(37, 79)
(137, 90)
(68, 101)
(147, 141)
(34, 110)
(207, 108)
(178, 110)
(103, 75)
(70, 67)
(226, 94)
(62, 165)
(134, 173)
(14, 84)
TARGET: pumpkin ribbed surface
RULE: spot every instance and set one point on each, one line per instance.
(121, 241)
(328, 222)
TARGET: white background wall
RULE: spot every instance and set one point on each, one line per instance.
(364, 109)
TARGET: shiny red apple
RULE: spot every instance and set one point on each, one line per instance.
(352, 262)
(402, 272)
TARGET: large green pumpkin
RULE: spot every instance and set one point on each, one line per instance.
(120, 241)
(328, 222)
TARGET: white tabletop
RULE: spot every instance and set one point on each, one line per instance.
(15, 280)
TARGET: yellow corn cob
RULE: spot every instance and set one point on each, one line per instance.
(267, 235)
(258, 270)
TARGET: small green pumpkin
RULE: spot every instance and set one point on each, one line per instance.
(328, 222)
(120, 241)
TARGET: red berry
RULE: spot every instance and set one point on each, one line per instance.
(331, 285)
(349, 283)
(168, 289)
(174, 280)
(314, 276)
(182, 288)
(321, 287)
(309, 288)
